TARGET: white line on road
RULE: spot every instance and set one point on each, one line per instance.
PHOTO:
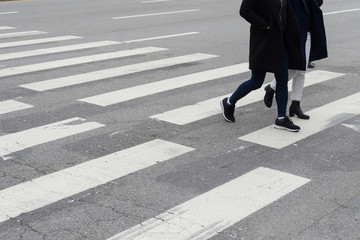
(18, 141)
(160, 37)
(156, 14)
(37, 41)
(54, 39)
(353, 127)
(45, 190)
(155, 1)
(12, 106)
(5, 28)
(73, 62)
(115, 72)
(210, 213)
(343, 11)
(321, 118)
(3, 13)
(211, 107)
(122, 95)
(20, 34)
(44, 51)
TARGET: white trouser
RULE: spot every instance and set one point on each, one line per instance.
(298, 76)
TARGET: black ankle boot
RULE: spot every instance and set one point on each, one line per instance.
(296, 110)
(269, 95)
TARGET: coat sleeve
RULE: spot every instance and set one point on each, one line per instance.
(247, 12)
(319, 2)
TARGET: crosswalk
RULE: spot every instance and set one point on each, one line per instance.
(14, 142)
(70, 62)
(50, 188)
(45, 51)
(210, 213)
(208, 108)
(114, 97)
(12, 106)
(115, 72)
(20, 34)
(198, 218)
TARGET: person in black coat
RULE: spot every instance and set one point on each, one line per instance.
(313, 45)
(274, 47)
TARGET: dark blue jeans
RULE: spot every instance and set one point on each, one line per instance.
(256, 81)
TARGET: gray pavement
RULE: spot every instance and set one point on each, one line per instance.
(37, 201)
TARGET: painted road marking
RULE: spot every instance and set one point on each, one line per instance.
(46, 40)
(343, 11)
(45, 190)
(353, 127)
(321, 118)
(20, 34)
(161, 37)
(116, 72)
(72, 62)
(210, 213)
(157, 14)
(18, 141)
(211, 107)
(6, 28)
(122, 95)
(37, 41)
(4, 13)
(45, 51)
(155, 1)
(12, 106)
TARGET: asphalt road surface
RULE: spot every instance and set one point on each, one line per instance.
(111, 128)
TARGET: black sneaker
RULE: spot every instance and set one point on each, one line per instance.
(286, 124)
(227, 110)
(269, 95)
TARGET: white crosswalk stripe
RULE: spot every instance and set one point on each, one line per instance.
(42, 191)
(160, 37)
(321, 119)
(115, 72)
(210, 107)
(157, 14)
(14, 142)
(4, 13)
(208, 214)
(114, 97)
(6, 28)
(37, 41)
(45, 51)
(72, 62)
(12, 106)
(20, 34)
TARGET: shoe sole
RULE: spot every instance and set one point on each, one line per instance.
(287, 129)
(223, 111)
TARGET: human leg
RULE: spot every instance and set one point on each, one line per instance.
(281, 93)
(282, 121)
(298, 85)
(228, 104)
(271, 88)
(255, 82)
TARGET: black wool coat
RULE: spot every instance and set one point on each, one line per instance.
(311, 20)
(266, 46)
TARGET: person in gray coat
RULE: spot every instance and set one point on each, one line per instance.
(274, 47)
